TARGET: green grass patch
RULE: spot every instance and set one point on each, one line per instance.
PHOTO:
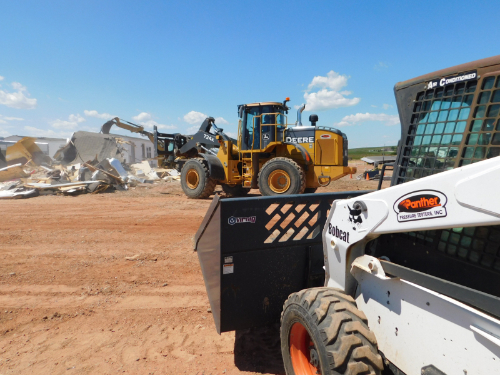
(358, 153)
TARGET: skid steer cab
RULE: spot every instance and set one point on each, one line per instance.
(269, 154)
(404, 280)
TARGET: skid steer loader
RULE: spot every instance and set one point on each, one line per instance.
(269, 154)
(404, 280)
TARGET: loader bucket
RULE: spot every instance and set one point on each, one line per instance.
(255, 252)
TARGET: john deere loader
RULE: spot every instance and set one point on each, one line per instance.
(269, 154)
(404, 280)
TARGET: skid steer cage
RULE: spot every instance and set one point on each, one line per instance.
(255, 252)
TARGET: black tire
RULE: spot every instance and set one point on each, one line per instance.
(310, 190)
(235, 190)
(201, 188)
(297, 177)
(342, 341)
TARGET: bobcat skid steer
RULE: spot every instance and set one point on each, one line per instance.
(404, 280)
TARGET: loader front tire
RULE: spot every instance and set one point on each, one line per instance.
(281, 176)
(323, 332)
(234, 190)
(195, 179)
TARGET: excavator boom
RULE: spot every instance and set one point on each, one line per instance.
(130, 126)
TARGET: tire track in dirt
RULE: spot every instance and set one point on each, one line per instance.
(71, 303)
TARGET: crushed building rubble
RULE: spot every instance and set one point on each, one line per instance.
(88, 163)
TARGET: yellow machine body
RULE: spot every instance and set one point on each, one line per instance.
(320, 152)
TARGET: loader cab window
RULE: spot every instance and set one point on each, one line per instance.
(254, 121)
(252, 125)
(170, 146)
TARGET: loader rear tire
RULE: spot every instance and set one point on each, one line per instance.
(323, 332)
(234, 190)
(281, 176)
(195, 179)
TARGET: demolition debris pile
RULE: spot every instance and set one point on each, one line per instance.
(88, 163)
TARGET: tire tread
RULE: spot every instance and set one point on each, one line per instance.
(294, 165)
(210, 184)
(351, 348)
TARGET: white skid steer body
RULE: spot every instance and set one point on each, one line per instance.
(415, 325)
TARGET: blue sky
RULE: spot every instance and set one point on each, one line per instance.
(69, 65)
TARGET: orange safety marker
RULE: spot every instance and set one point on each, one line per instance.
(351, 176)
(367, 177)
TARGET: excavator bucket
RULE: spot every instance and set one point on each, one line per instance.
(24, 150)
(255, 252)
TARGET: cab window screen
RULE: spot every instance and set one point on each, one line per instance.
(442, 115)
(436, 131)
(483, 140)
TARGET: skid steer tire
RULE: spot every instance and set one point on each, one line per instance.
(234, 190)
(323, 332)
(310, 190)
(195, 179)
(281, 176)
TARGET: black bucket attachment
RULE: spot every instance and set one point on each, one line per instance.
(255, 252)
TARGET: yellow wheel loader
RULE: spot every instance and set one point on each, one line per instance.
(269, 154)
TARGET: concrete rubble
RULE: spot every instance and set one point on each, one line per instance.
(88, 164)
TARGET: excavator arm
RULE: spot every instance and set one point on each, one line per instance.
(134, 128)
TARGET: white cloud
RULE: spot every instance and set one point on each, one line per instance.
(71, 123)
(329, 95)
(3, 130)
(94, 113)
(1, 78)
(18, 99)
(194, 117)
(387, 106)
(143, 116)
(146, 119)
(4, 119)
(388, 120)
(332, 81)
(192, 129)
(380, 65)
(220, 120)
(373, 106)
(35, 132)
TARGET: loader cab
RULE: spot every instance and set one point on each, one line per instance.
(260, 124)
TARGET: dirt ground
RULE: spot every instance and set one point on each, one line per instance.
(71, 302)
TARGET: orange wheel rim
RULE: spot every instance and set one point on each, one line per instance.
(301, 349)
(192, 179)
(279, 181)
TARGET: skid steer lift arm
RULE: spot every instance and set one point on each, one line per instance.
(462, 197)
(438, 323)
